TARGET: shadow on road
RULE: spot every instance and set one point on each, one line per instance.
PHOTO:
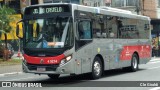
(83, 80)
(115, 72)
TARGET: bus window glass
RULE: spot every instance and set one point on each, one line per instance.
(128, 29)
(112, 27)
(97, 26)
(143, 29)
(48, 33)
(84, 30)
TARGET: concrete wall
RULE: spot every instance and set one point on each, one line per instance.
(158, 13)
(149, 8)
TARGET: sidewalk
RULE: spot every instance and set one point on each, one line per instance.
(10, 69)
(7, 69)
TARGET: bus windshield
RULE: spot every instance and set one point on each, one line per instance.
(55, 32)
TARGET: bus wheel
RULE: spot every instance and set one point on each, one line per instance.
(54, 76)
(134, 63)
(96, 68)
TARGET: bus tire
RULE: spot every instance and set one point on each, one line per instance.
(97, 68)
(54, 76)
(134, 63)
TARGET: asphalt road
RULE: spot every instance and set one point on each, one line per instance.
(144, 79)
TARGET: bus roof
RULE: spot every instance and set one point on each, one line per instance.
(111, 11)
(99, 10)
(115, 9)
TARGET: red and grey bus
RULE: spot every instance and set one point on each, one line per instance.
(62, 38)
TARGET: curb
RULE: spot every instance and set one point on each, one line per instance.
(12, 73)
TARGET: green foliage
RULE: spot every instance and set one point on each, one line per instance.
(5, 11)
(5, 20)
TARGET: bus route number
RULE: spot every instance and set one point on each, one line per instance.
(52, 61)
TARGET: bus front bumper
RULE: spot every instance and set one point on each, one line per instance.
(67, 68)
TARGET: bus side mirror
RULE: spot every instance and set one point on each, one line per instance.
(17, 30)
(18, 33)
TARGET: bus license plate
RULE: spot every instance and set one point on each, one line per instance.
(41, 69)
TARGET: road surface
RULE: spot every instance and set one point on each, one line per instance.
(144, 79)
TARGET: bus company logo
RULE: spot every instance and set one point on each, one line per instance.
(6, 84)
(41, 61)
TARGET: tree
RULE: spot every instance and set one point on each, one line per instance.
(5, 28)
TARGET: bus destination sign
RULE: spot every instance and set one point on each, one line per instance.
(47, 10)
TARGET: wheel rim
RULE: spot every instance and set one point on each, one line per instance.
(134, 62)
(97, 68)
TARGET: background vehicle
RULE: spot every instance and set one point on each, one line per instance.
(9, 47)
(74, 39)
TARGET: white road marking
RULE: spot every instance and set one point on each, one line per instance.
(12, 73)
(154, 67)
(19, 79)
(157, 59)
(156, 88)
(152, 62)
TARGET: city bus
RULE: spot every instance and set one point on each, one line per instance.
(64, 38)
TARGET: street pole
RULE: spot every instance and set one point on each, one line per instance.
(137, 6)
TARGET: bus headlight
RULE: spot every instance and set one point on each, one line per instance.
(68, 58)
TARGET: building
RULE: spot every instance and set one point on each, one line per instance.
(131, 5)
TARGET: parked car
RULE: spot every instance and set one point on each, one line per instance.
(9, 48)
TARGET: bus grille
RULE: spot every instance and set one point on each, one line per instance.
(49, 67)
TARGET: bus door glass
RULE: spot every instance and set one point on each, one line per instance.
(84, 45)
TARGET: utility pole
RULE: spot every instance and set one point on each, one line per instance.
(138, 6)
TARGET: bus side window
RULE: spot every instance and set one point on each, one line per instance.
(84, 30)
(80, 30)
